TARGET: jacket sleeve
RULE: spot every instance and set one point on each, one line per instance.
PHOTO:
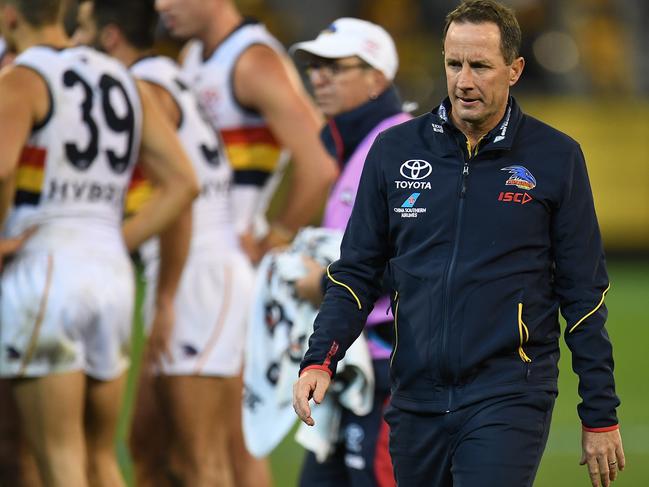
(581, 283)
(354, 281)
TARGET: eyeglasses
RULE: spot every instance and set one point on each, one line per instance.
(332, 68)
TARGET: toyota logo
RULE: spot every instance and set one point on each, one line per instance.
(416, 169)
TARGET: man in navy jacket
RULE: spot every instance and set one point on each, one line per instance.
(484, 220)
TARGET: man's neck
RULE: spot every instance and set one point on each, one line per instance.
(475, 131)
(473, 135)
(129, 55)
(224, 23)
(49, 35)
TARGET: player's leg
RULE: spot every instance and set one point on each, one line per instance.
(149, 437)
(502, 442)
(197, 407)
(249, 470)
(54, 427)
(17, 464)
(9, 437)
(103, 403)
(110, 294)
(42, 353)
(208, 341)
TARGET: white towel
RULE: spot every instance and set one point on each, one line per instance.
(278, 332)
(357, 396)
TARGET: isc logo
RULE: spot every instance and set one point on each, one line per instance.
(521, 198)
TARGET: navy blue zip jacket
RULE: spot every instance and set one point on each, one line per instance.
(482, 247)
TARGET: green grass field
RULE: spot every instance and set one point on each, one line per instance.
(628, 326)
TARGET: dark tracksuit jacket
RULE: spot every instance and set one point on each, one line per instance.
(482, 247)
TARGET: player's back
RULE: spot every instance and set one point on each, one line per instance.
(76, 165)
(212, 211)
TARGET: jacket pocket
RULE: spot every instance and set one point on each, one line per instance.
(411, 309)
(491, 327)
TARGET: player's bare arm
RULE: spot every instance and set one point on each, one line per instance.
(174, 248)
(166, 163)
(28, 104)
(312, 384)
(280, 98)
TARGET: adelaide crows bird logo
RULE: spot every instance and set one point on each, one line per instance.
(520, 177)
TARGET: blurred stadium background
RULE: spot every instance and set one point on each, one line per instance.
(586, 73)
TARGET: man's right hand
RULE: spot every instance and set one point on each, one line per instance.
(311, 384)
(158, 346)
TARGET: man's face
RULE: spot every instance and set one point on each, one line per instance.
(86, 32)
(185, 18)
(477, 77)
(7, 13)
(340, 85)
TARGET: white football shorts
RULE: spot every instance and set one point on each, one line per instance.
(64, 312)
(211, 309)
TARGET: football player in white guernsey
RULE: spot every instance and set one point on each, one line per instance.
(252, 94)
(71, 123)
(197, 387)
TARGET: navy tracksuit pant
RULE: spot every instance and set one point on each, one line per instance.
(494, 443)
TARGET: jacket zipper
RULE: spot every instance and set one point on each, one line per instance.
(444, 366)
(396, 327)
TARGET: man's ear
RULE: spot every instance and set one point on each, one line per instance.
(8, 17)
(110, 38)
(515, 70)
(378, 83)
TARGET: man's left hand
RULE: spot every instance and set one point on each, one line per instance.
(604, 455)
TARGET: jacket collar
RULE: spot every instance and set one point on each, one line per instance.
(343, 133)
(501, 137)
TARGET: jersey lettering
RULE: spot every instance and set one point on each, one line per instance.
(83, 159)
(120, 125)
